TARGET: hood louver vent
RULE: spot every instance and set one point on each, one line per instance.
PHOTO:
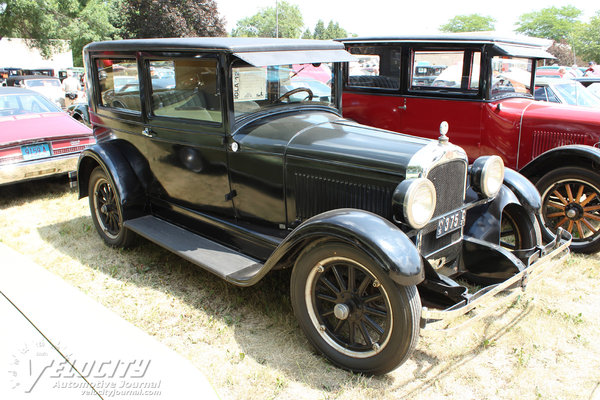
(315, 194)
(544, 140)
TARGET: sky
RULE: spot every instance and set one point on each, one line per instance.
(400, 17)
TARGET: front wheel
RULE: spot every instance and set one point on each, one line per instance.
(351, 311)
(517, 230)
(105, 206)
(571, 200)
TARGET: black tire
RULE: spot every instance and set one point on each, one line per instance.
(105, 207)
(351, 311)
(571, 200)
(517, 230)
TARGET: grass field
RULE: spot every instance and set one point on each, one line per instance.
(544, 346)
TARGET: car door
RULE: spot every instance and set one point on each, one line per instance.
(185, 145)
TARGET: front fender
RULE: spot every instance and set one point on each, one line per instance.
(572, 155)
(110, 156)
(382, 240)
(526, 192)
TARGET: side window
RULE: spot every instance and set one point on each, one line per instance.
(445, 69)
(377, 67)
(185, 88)
(118, 83)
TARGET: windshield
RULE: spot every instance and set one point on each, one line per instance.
(259, 88)
(511, 75)
(41, 83)
(576, 94)
(13, 104)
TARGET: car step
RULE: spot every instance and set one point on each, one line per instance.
(222, 261)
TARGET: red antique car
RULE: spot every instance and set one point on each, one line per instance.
(37, 139)
(486, 95)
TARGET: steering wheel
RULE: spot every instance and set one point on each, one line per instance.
(297, 90)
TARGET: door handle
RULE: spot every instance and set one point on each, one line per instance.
(148, 132)
(402, 107)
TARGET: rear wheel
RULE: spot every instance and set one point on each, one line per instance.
(105, 206)
(351, 311)
(571, 200)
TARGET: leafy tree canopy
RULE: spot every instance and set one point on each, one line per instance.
(469, 23)
(586, 39)
(80, 21)
(263, 23)
(171, 18)
(333, 31)
(550, 23)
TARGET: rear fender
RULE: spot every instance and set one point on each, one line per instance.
(117, 163)
(396, 254)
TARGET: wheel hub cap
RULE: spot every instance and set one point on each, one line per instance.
(341, 311)
(573, 211)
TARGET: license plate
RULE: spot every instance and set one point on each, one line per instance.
(451, 223)
(35, 151)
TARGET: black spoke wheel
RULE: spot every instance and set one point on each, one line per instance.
(517, 231)
(571, 200)
(106, 212)
(352, 311)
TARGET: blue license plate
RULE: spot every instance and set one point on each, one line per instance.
(35, 151)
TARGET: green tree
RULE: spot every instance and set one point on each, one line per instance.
(41, 22)
(307, 34)
(550, 23)
(469, 23)
(319, 32)
(334, 31)
(263, 23)
(171, 18)
(586, 39)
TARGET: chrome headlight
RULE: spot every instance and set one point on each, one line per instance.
(487, 175)
(414, 202)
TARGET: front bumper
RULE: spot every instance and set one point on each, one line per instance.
(35, 169)
(485, 301)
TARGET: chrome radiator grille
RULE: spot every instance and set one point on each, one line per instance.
(449, 180)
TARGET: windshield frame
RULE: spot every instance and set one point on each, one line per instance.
(520, 81)
(274, 76)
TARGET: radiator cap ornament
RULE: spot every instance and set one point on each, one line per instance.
(443, 139)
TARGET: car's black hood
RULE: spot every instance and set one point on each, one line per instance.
(346, 142)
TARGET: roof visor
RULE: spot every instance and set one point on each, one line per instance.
(522, 51)
(264, 58)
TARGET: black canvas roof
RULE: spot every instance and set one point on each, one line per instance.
(228, 44)
(520, 46)
(255, 51)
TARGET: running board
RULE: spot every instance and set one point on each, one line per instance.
(222, 261)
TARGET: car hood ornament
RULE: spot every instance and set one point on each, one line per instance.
(443, 139)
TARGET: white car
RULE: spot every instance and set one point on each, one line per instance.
(48, 86)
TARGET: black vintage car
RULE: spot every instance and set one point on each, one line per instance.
(233, 154)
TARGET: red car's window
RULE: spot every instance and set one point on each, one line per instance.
(377, 67)
(511, 75)
(435, 69)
